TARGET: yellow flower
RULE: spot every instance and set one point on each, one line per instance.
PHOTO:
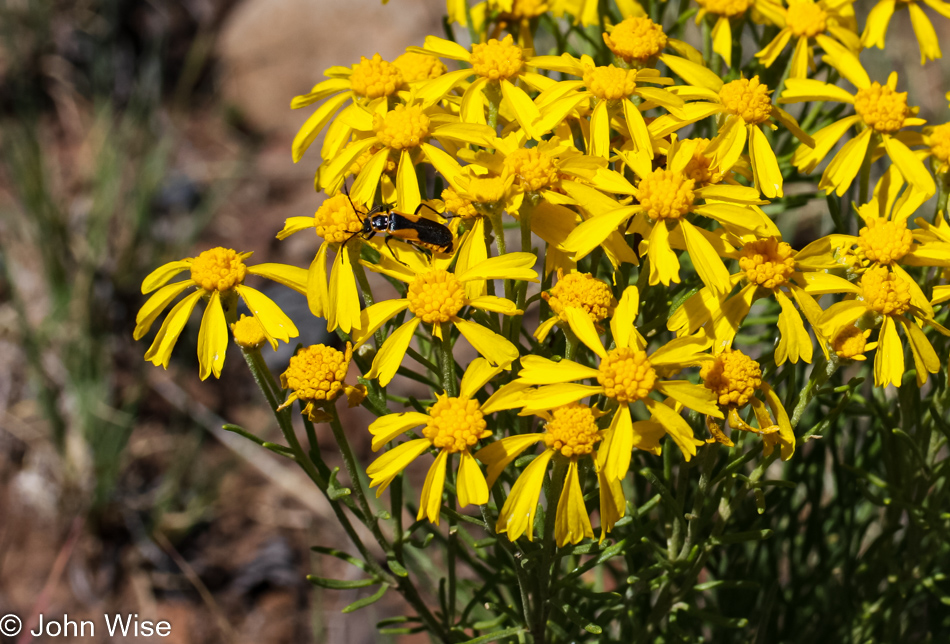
(725, 11)
(612, 88)
(337, 299)
(217, 275)
(851, 343)
(249, 334)
(403, 132)
(419, 67)
(883, 298)
(807, 21)
(369, 81)
(638, 41)
(881, 113)
(880, 17)
(570, 433)
(435, 296)
(747, 106)
(735, 377)
(499, 63)
(937, 140)
(317, 376)
(454, 425)
(581, 291)
(666, 199)
(768, 266)
(626, 374)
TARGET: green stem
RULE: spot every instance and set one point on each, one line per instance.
(447, 360)
(818, 378)
(548, 549)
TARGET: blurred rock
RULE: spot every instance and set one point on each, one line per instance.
(273, 50)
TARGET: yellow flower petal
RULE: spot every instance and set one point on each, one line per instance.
(496, 348)
(687, 350)
(889, 360)
(517, 516)
(384, 469)
(722, 39)
(376, 316)
(571, 524)
(617, 445)
(798, 90)
(785, 436)
(389, 356)
(155, 304)
(500, 454)
(470, 484)
(476, 376)
(509, 396)
(910, 165)
(664, 265)
(839, 315)
(600, 131)
(551, 396)
(583, 328)
(161, 275)
(536, 370)
(695, 397)
(924, 30)
(526, 112)
(768, 177)
(613, 505)
(295, 225)
(705, 259)
(444, 49)
(386, 428)
(515, 266)
(290, 276)
(724, 150)
(925, 358)
(494, 304)
(161, 350)
(595, 230)
(674, 424)
(318, 298)
(622, 323)
(315, 124)
(275, 322)
(795, 342)
(430, 501)
(693, 73)
(212, 339)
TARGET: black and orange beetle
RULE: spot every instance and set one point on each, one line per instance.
(413, 229)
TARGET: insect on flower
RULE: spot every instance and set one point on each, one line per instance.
(413, 229)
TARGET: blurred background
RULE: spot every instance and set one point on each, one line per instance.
(134, 133)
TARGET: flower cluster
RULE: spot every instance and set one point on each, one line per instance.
(645, 192)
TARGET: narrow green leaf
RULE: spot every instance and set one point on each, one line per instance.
(494, 637)
(340, 584)
(366, 601)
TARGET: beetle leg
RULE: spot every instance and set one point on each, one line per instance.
(391, 252)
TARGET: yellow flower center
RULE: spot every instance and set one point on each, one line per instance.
(218, 269)
(939, 141)
(583, 291)
(248, 332)
(335, 219)
(459, 205)
(666, 194)
(572, 430)
(497, 59)
(698, 168)
(767, 262)
(748, 99)
(885, 241)
(402, 127)
(850, 342)
(626, 375)
(728, 8)
(885, 292)
(636, 39)
(436, 296)
(883, 109)
(806, 19)
(416, 67)
(375, 77)
(455, 424)
(316, 373)
(734, 377)
(533, 169)
(610, 83)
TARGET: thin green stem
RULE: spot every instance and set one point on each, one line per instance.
(447, 360)
(548, 549)
(818, 378)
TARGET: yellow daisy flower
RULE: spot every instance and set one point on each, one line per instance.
(435, 296)
(851, 343)
(612, 88)
(769, 267)
(316, 376)
(581, 291)
(937, 140)
(626, 374)
(666, 197)
(217, 275)
(496, 63)
(453, 425)
(369, 81)
(403, 131)
(882, 298)
(419, 67)
(335, 299)
(570, 433)
(249, 334)
(735, 377)
(638, 41)
(880, 18)
(808, 21)
(747, 107)
(881, 114)
(725, 11)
